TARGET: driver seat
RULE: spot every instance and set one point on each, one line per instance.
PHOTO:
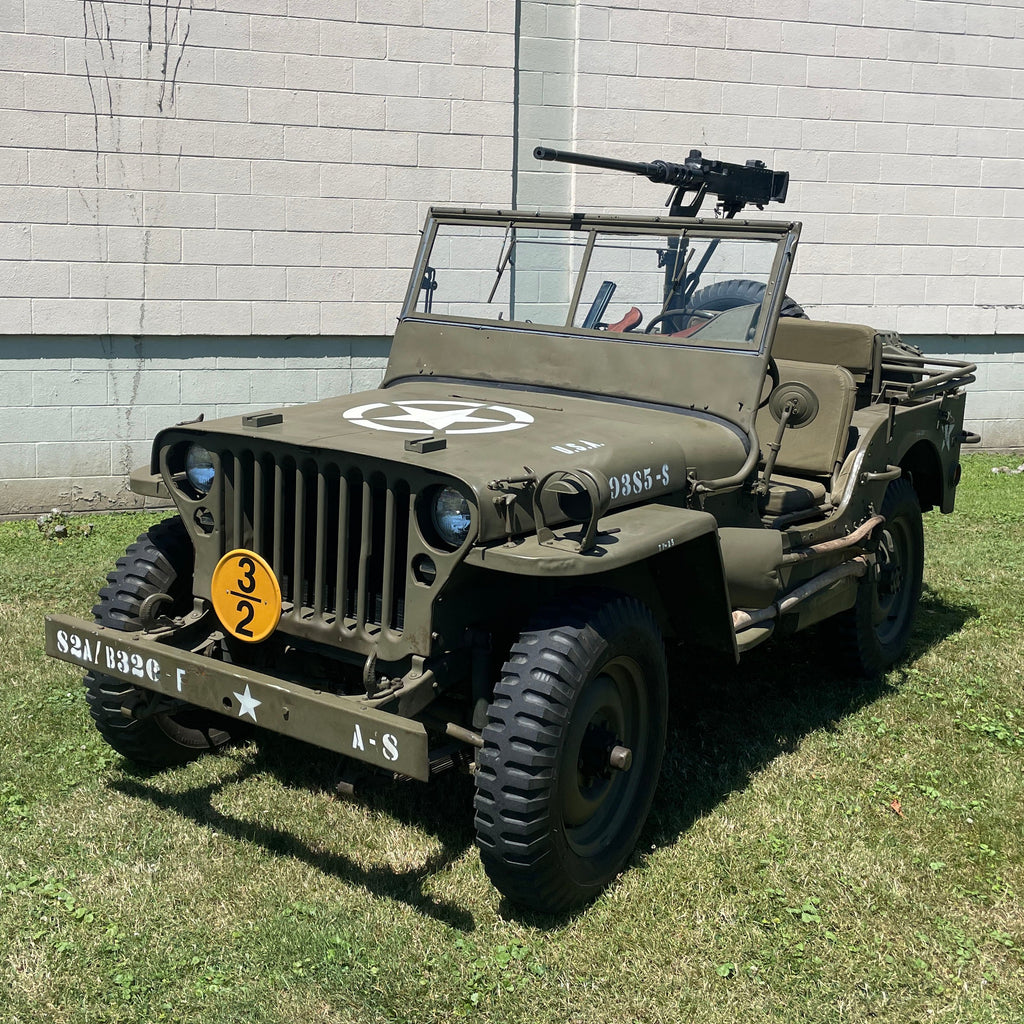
(810, 455)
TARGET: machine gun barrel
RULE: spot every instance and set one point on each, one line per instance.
(734, 184)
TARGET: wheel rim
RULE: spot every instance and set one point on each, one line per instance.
(596, 802)
(894, 586)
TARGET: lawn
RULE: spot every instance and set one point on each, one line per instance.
(821, 849)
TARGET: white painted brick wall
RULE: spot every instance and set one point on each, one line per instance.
(267, 174)
(165, 170)
(901, 122)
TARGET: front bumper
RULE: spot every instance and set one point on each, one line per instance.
(336, 723)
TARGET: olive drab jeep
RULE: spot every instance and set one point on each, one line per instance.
(595, 434)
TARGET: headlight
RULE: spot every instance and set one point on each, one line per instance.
(451, 516)
(199, 468)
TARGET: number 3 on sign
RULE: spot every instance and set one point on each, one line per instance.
(246, 595)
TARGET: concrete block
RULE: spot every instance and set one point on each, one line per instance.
(228, 386)
(14, 167)
(251, 283)
(353, 40)
(999, 291)
(451, 14)
(68, 242)
(698, 29)
(329, 384)
(484, 49)
(415, 43)
(108, 423)
(315, 284)
(971, 320)
(452, 81)
(370, 353)
(419, 182)
(751, 34)
(826, 136)
(173, 209)
(248, 212)
(221, 317)
(270, 318)
(170, 281)
(285, 178)
(809, 38)
(32, 52)
(366, 380)
(340, 10)
(216, 246)
(22, 204)
(284, 35)
(107, 280)
(353, 318)
(264, 141)
(12, 16)
(72, 459)
(28, 425)
(316, 214)
(30, 280)
(974, 261)
(142, 245)
(249, 68)
(432, 115)
(144, 316)
(396, 148)
(16, 315)
(345, 111)
(211, 102)
(352, 181)
(287, 249)
(17, 462)
(328, 145)
(379, 285)
(142, 386)
(216, 175)
(16, 386)
(281, 387)
(69, 316)
(779, 69)
(283, 106)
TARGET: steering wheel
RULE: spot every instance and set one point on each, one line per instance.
(670, 314)
(773, 376)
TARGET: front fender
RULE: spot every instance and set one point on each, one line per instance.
(678, 548)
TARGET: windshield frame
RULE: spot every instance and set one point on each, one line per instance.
(591, 228)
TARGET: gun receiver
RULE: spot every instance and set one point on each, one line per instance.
(734, 184)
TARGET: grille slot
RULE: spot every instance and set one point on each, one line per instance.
(336, 536)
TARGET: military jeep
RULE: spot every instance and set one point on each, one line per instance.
(595, 433)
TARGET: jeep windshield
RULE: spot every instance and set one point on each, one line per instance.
(651, 280)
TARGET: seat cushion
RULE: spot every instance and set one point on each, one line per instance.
(793, 494)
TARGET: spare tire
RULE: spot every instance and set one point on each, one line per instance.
(739, 292)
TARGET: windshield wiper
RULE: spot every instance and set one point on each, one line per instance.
(507, 245)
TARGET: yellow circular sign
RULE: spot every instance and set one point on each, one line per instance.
(246, 595)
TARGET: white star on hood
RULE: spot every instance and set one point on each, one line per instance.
(437, 419)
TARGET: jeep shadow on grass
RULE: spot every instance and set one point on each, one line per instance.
(596, 434)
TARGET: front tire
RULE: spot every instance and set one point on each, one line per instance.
(557, 814)
(159, 562)
(876, 630)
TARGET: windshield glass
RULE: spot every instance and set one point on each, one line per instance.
(679, 287)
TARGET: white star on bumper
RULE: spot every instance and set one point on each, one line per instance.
(247, 704)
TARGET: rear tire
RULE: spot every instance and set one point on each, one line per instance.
(159, 562)
(555, 820)
(876, 630)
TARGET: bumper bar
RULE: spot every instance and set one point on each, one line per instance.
(323, 719)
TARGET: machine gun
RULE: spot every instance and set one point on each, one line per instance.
(734, 184)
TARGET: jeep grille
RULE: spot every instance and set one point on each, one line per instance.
(335, 535)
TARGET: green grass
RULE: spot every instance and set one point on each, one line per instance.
(774, 882)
